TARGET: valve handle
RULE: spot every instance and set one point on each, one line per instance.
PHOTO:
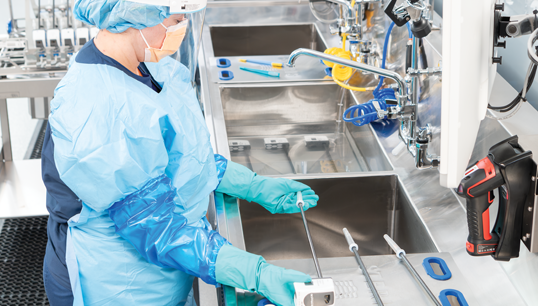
(399, 21)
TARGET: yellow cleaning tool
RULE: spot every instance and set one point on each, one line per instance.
(339, 72)
(343, 73)
(266, 63)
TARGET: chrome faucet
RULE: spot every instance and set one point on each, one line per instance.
(416, 139)
(350, 26)
(402, 85)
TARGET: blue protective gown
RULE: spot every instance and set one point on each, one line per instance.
(142, 166)
(62, 203)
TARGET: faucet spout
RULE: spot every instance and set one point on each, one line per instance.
(402, 85)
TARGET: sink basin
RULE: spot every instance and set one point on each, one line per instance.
(368, 206)
(264, 40)
(302, 120)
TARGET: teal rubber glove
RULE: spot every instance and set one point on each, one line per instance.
(240, 269)
(277, 195)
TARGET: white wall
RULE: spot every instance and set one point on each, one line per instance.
(439, 7)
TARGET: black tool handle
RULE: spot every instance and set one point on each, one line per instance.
(409, 56)
(397, 20)
(480, 240)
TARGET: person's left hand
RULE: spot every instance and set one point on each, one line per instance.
(279, 195)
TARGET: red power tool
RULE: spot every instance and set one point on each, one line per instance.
(508, 168)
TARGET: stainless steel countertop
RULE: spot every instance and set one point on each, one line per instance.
(491, 283)
(393, 281)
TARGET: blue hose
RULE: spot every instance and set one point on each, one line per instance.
(366, 113)
(384, 94)
(387, 36)
(363, 113)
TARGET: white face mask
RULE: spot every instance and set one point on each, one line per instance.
(171, 43)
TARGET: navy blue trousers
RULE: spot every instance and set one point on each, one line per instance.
(57, 294)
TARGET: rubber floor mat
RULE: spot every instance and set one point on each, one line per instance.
(22, 247)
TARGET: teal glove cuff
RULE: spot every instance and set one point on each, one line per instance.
(238, 268)
(247, 271)
(236, 180)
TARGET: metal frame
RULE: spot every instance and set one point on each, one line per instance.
(6, 135)
(20, 88)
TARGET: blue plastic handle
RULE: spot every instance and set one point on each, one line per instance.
(226, 75)
(443, 297)
(442, 265)
(223, 63)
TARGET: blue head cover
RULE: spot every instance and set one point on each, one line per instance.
(119, 15)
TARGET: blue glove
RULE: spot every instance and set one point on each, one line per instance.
(277, 195)
(247, 271)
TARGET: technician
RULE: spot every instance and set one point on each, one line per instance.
(129, 170)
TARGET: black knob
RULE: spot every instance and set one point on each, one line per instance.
(499, 7)
(498, 60)
(511, 29)
(501, 44)
(421, 28)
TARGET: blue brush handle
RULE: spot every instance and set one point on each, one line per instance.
(262, 72)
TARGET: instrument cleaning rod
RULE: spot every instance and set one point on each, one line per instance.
(354, 248)
(300, 204)
(400, 253)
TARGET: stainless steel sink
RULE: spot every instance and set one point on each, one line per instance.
(298, 113)
(264, 39)
(368, 206)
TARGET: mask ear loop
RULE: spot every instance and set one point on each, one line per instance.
(144, 39)
(149, 47)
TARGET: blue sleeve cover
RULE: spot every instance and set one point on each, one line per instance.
(222, 164)
(163, 237)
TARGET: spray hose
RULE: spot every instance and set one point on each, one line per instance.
(365, 113)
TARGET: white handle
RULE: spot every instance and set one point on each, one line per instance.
(350, 240)
(399, 251)
(300, 201)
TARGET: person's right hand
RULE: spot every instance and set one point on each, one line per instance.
(240, 269)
